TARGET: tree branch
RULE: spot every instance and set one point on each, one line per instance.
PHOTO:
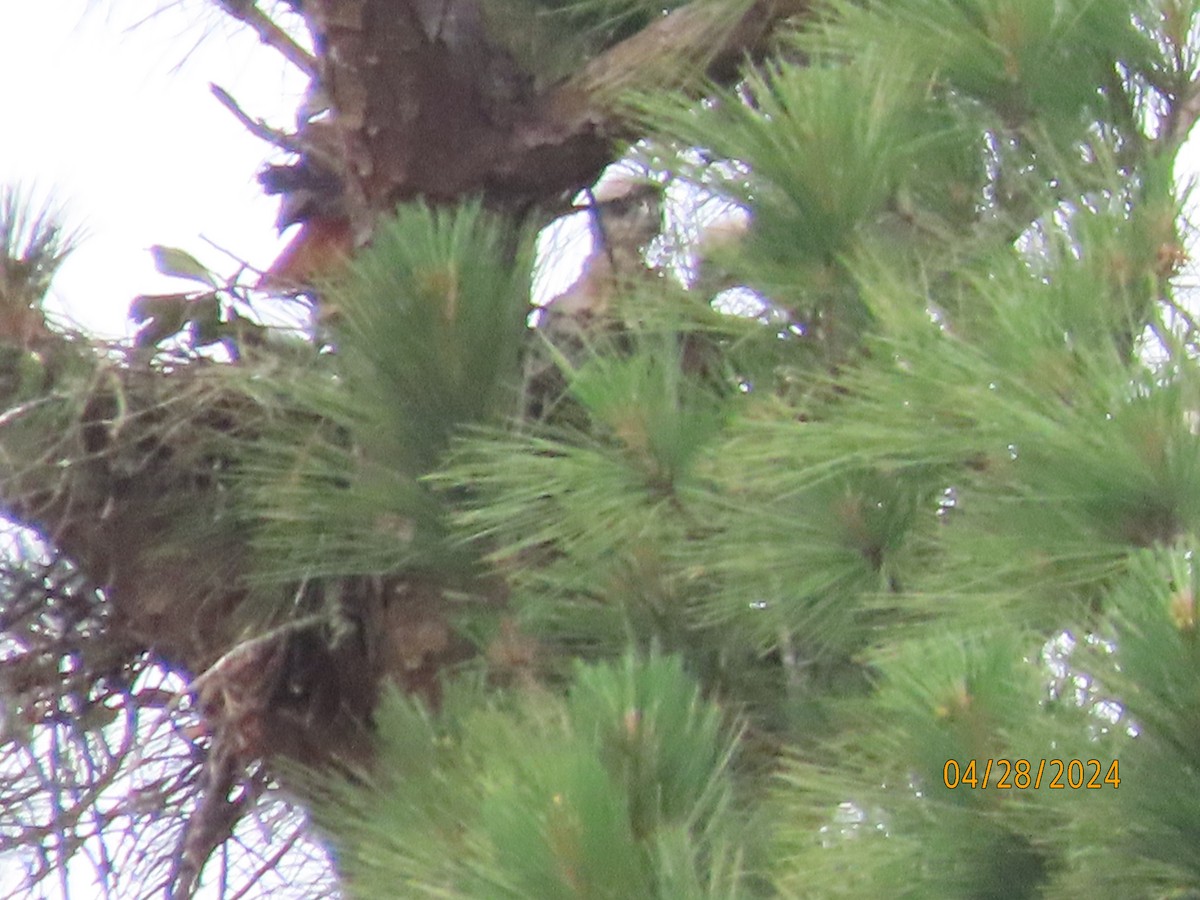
(276, 137)
(248, 13)
(700, 33)
(302, 142)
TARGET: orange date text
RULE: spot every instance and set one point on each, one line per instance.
(1023, 774)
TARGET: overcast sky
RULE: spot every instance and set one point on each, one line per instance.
(115, 120)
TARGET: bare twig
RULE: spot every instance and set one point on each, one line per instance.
(285, 140)
(277, 137)
(245, 266)
(15, 412)
(271, 863)
(247, 12)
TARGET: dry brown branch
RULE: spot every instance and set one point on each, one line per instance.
(703, 36)
(247, 12)
(214, 819)
(269, 864)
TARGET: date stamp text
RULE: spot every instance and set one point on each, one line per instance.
(1023, 774)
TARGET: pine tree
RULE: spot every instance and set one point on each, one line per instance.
(839, 542)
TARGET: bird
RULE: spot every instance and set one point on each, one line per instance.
(320, 247)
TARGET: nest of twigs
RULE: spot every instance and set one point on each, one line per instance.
(126, 472)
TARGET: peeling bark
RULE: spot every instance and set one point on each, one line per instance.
(425, 105)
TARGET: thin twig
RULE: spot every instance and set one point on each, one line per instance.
(247, 12)
(269, 864)
(7, 417)
(276, 137)
(245, 266)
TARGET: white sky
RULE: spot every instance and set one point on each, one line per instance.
(117, 124)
